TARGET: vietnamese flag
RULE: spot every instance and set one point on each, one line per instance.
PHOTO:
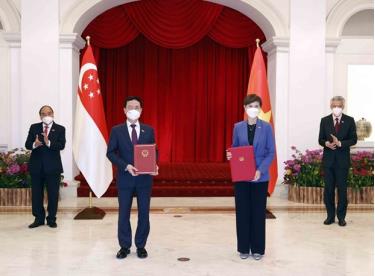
(258, 85)
(90, 130)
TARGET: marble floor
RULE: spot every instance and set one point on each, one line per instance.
(297, 241)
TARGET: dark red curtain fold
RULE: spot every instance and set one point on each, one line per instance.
(235, 30)
(111, 29)
(188, 60)
(173, 24)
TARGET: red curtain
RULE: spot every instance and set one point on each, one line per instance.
(189, 61)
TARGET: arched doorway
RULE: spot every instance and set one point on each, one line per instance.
(272, 24)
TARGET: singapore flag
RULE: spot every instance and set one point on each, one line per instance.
(90, 130)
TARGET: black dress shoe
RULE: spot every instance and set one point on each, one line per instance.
(122, 253)
(52, 224)
(36, 224)
(329, 221)
(142, 253)
(342, 222)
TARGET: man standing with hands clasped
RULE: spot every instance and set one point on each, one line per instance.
(45, 140)
(337, 134)
(120, 152)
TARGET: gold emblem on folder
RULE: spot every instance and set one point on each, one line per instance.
(145, 153)
(241, 158)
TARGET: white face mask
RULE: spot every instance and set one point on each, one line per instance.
(133, 114)
(252, 112)
(47, 120)
(337, 111)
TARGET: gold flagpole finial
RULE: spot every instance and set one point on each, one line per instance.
(257, 41)
(88, 40)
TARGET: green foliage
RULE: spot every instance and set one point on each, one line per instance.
(14, 170)
(305, 169)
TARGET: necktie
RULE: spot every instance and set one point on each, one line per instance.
(134, 135)
(46, 130)
(337, 125)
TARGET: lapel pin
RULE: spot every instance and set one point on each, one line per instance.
(142, 130)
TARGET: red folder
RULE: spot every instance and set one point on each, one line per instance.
(242, 163)
(145, 158)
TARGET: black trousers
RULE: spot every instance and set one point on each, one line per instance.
(52, 182)
(334, 176)
(251, 201)
(125, 198)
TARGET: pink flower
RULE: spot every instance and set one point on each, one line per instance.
(297, 168)
(13, 169)
(290, 163)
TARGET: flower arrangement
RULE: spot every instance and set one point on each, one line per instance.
(361, 173)
(305, 169)
(13, 169)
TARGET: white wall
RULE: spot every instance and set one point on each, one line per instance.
(361, 88)
(39, 60)
(351, 50)
(4, 92)
(306, 72)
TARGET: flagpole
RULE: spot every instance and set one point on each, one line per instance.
(90, 199)
(90, 212)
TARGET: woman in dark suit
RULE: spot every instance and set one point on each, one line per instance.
(251, 196)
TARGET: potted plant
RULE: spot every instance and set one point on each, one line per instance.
(304, 176)
(15, 180)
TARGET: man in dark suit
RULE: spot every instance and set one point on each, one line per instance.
(120, 151)
(337, 134)
(45, 140)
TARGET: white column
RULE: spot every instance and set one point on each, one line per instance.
(14, 100)
(307, 72)
(4, 92)
(277, 73)
(70, 44)
(39, 61)
(331, 46)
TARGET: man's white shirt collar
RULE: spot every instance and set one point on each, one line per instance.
(137, 125)
(334, 117)
(49, 126)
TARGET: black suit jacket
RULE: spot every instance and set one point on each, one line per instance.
(120, 152)
(347, 135)
(44, 159)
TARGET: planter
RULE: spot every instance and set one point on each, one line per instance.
(314, 195)
(17, 197)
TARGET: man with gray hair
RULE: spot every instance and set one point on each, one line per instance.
(337, 134)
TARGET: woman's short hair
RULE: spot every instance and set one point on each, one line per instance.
(251, 98)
